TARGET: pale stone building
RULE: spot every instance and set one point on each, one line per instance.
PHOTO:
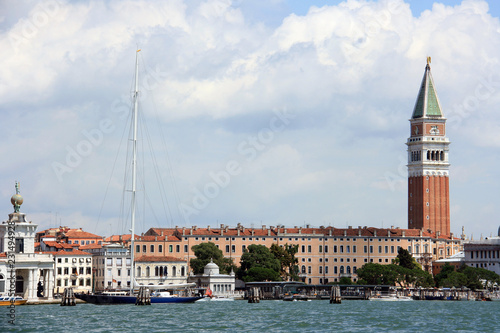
(219, 284)
(33, 272)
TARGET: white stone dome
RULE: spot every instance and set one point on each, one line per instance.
(211, 269)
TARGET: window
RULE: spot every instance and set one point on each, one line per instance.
(335, 270)
(160, 248)
(309, 269)
(170, 248)
(233, 248)
(59, 270)
(137, 248)
(177, 248)
(303, 248)
(341, 248)
(119, 272)
(227, 248)
(379, 249)
(118, 261)
(144, 248)
(320, 269)
(309, 248)
(326, 248)
(152, 248)
(354, 249)
(243, 248)
(109, 261)
(371, 248)
(81, 270)
(66, 270)
(320, 249)
(335, 249)
(185, 248)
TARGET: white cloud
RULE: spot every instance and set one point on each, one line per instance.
(349, 73)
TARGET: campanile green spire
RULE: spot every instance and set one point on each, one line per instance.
(427, 104)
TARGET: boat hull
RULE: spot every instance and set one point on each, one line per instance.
(121, 299)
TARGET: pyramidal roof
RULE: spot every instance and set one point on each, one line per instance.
(427, 104)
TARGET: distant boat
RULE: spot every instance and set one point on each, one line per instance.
(7, 300)
(123, 297)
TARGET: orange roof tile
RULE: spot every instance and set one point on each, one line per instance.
(158, 259)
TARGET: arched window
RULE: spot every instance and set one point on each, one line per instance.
(139, 271)
(348, 269)
(174, 271)
(2, 283)
(341, 269)
(183, 271)
(156, 271)
(417, 249)
(147, 271)
(303, 269)
(442, 155)
(165, 271)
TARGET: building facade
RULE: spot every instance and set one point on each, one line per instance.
(325, 254)
(219, 284)
(33, 272)
(160, 270)
(484, 253)
(428, 163)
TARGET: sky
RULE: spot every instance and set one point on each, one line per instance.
(267, 113)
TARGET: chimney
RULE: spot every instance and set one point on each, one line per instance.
(183, 231)
(345, 233)
(264, 227)
(421, 233)
(359, 231)
(300, 231)
(375, 233)
(222, 226)
(253, 232)
(403, 233)
(389, 233)
(330, 232)
(238, 232)
(438, 233)
(269, 232)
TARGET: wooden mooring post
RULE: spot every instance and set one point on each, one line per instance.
(335, 297)
(254, 295)
(68, 297)
(144, 297)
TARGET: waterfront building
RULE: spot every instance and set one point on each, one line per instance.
(111, 265)
(157, 270)
(325, 254)
(456, 260)
(34, 271)
(68, 236)
(483, 253)
(219, 284)
(428, 163)
(73, 268)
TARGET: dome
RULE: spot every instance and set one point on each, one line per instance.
(17, 201)
(211, 268)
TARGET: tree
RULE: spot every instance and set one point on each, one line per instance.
(405, 259)
(286, 256)
(378, 274)
(259, 256)
(205, 252)
(345, 280)
(446, 270)
(261, 274)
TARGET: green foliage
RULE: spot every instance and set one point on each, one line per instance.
(286, 255)
(261, 274)
(393, 274)
(465, 276)
(205, 252)
(259, 256)
(345, 280)
(405, 259)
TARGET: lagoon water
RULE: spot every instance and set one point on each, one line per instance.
(266, 316)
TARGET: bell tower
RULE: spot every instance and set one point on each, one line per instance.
(428, 164)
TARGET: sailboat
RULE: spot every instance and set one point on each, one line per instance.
(122, 297)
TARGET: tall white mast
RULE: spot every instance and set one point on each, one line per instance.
(134, 171)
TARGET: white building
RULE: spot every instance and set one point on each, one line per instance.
(111, 265)
(158, 270)
(220, 284)
(73, 268)
(34, 272)
(484, 253)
